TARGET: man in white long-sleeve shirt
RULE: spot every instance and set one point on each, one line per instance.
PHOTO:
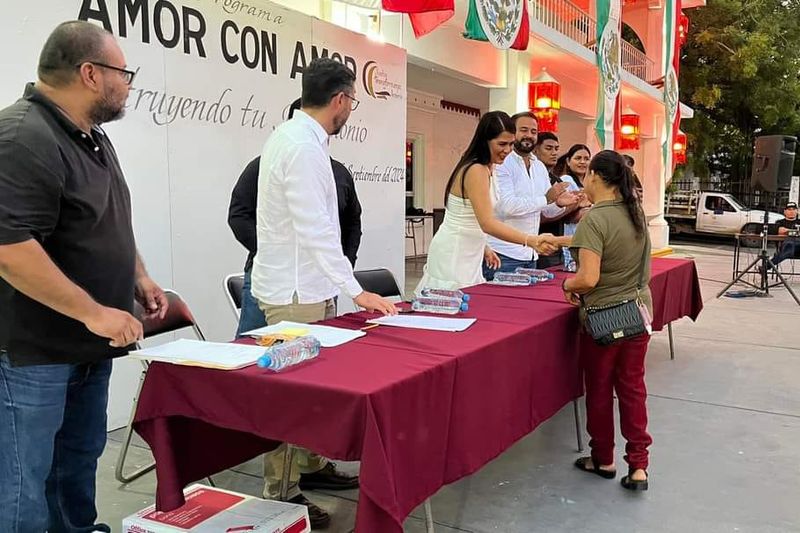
(299, 267)
(523, 194)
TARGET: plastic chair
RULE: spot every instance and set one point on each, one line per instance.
(381, 281)
(234, 286)
(178, 317)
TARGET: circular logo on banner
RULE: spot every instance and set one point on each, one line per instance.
(671, 95)
(609, 65)
(377, 83)
(500, 20)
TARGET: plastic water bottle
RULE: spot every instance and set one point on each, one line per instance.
(513, 278)
(439, 304)
(290, 353)
(456, 294)
(536, 273)
(569, 261)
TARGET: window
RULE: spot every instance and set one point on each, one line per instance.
(719, 205)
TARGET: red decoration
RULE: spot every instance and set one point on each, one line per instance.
(628, 136)
(544, 101)
(679, 148)
(683, 28)
(425, 15)
(524, 35)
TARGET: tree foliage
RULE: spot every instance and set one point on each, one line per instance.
(740, 71)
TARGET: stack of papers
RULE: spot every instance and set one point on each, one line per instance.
(424, 322)
(219, 355)
(327, 336)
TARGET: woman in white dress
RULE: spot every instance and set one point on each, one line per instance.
(458, 249)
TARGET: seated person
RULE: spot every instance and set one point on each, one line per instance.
(788, 224)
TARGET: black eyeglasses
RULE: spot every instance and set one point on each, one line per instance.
(355, 102)
(128, 75)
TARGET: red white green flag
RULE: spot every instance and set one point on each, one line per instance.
(425, 15)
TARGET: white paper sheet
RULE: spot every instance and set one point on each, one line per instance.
(328, 336)
(424, 322)
(220, 355)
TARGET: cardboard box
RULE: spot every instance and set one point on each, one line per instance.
(212, 510)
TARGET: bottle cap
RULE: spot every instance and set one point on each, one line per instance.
(465, 306)
(550, 275)
(466, 297)
(264, 361)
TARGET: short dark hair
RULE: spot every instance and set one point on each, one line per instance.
(323, 79)
(70, 44)
(546, 136)
(521, 114)
(294, 106)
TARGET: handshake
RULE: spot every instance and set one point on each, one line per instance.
(546, 243)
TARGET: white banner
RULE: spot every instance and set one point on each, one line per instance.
(216, 78)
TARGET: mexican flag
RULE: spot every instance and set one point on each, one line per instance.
(609, 52)
(425, 15)
(671, 64)
(504, 24)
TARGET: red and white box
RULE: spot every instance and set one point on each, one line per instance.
(212, 510)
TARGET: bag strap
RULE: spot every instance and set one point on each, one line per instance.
(645, 250)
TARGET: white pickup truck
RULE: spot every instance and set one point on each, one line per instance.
(712, 212)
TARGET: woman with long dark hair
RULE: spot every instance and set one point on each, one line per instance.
(459, 248)
(573, 166)
(613, 250)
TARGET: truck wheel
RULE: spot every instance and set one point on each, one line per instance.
(752, 229)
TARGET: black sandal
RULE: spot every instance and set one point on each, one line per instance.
(634, 484)
(581, 464)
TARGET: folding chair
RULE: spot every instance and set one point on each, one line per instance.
(380, 281)
(178, 317)
(234, 285)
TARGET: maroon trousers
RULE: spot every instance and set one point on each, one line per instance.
(618, 367)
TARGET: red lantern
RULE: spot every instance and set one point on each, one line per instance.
(679, 148)
(544, 101)
(628, 136)
(683, 28)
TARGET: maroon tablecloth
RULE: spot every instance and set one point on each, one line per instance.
(674, 285)
(419, 408)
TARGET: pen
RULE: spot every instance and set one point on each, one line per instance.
(371, 326)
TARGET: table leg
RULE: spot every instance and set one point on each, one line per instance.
(671, 342)
(288, 458)
(576, 407)
(428, 517)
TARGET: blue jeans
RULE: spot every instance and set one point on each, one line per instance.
(250, 316)
(52, 432)
(786, 251)
(507, 264)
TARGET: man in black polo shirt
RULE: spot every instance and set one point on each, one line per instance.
(69, 272)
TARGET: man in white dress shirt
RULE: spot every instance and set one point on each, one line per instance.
(523, 195)
(299, 267)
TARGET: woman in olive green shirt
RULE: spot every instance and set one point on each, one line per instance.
(610, 242)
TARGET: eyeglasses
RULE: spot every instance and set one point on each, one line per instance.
(354, 104)
(127, 75)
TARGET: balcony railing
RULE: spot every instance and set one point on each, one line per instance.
(566, 18)
(637, 63)
(570, 20)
